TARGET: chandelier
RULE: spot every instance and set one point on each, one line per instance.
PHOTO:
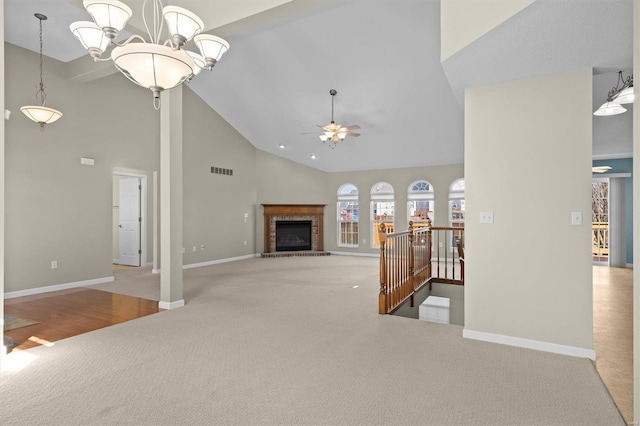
(621, 94)
(152, 64)
(40, 113)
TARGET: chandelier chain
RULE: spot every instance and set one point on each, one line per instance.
(40, 94)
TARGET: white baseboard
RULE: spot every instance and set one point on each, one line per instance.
(155, 271)
(115, 261)
(629, 265)
(529, 344)
(348, 253)
(218, 261)
(47, 289)
(171, 305)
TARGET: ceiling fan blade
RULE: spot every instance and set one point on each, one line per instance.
(355, 135)
(353, 127)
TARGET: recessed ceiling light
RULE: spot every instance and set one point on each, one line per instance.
(282, 146)
(313, 156)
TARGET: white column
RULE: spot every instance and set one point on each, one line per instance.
(636, 222)
(156, 216)
(2, 182)
(617, 244)
(171, 292)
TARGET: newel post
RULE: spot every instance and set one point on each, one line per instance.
(411, 260)
(382, 299)
(429, 244)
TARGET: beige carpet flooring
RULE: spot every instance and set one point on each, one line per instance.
(291, 341)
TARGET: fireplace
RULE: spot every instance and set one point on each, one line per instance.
(293, 235)
(308, 216)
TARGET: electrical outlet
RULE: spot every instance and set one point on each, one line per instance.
(54, 264)
(364, 241)
(194, 248)
(202, 247)
(245, 242)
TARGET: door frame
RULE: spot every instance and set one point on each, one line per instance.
(143, 211)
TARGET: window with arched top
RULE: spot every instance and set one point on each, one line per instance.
(456, 204)
(348, 215)
(420, 203)
(382, 210)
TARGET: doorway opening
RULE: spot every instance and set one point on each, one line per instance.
(129, 220)
(600, 221)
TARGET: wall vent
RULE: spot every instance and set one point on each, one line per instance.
(221, 171)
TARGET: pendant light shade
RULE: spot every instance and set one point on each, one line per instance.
(90, 36)
(610, 108)
(41, 114)
(153, 66)
(211, 47)
(110, 15)
(182, 24)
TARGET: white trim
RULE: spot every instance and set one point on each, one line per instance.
(610, 175)
(115, 261)
(530, 344)
(612, 156)
(47, 289)
(346, 253)
(629, 265)
(143, 210)
(171, 305)
(218, 261)
(155, 271)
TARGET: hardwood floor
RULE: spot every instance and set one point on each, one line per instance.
(613, 333)
(66, 313)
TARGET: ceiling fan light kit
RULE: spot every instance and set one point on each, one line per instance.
(152, 64)
(39, 113)
(334, 132)
(622, 93)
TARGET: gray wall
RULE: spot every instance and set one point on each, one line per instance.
(214, 204)
(56, 208)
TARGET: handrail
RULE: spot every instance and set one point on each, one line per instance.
(407, 261)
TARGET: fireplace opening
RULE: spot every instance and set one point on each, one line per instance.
(293, 235)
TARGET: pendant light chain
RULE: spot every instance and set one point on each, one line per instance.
(41, 95)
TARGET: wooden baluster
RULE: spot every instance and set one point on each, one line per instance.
(382, 299)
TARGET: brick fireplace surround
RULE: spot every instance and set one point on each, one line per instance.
(287, 212)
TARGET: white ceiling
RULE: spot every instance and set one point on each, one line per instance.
(383, 58)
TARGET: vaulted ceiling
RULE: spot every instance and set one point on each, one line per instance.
(382, 57)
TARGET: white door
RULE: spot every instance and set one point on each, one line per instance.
(129, 222)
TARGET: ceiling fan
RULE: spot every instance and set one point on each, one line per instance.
(334, 132)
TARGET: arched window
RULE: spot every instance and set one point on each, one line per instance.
(348, 216)
(456, 204)
(420, 204)
(382, 209)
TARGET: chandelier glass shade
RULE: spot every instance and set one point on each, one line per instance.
(40, 113)
(152, 64)
(622, 93)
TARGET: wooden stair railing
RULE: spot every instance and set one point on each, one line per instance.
(407, 262)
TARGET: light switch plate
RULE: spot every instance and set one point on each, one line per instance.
(486, 217)
(576, 218)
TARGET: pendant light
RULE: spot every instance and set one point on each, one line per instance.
(39, 113)
(622, 93)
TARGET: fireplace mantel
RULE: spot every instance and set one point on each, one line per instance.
(289, 212)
